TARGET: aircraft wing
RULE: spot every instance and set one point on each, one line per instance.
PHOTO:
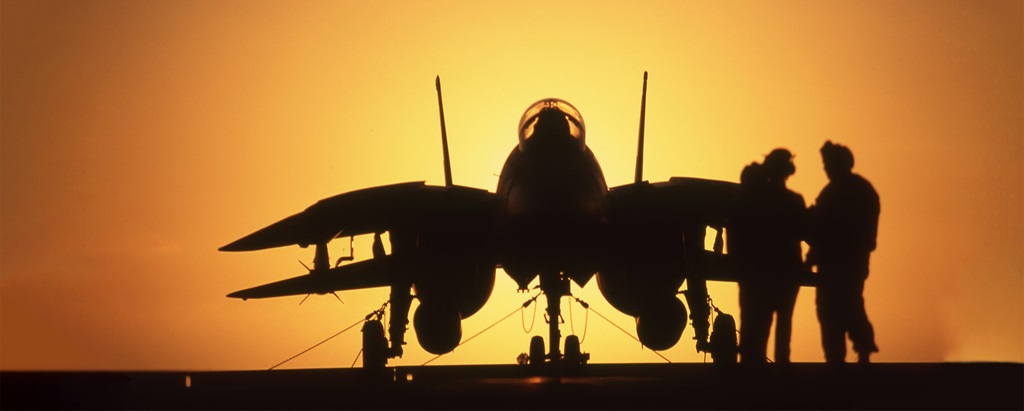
(371, 210)
(689, 200)
(720, 267)
(371, 273)
(678, 204)
(684, 199)
(709, 201)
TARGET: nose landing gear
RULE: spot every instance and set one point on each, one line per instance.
(555, 285)
(572, 355)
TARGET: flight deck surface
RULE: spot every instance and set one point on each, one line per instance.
(593, 386)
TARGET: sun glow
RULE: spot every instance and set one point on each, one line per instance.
(140, 137)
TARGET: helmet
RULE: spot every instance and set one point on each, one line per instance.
(779, 163)
(836, 156)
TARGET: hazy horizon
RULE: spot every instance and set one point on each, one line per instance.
(139, 137)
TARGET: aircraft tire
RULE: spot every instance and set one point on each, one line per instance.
(375, 345)
(573, 355)
(537, 350)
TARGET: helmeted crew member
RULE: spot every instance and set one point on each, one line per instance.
(770, 223)
(845, 228)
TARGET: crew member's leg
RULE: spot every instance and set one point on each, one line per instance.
(861, 332)
(833, 331)
(786, 302)
(755, 323)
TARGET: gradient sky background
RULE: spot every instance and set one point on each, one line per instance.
(138, 137)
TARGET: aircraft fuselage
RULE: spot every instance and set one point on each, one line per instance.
(552, 195)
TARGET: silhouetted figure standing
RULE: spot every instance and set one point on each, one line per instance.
(845, 221)
(769, 224)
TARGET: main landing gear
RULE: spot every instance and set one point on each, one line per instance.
(376, 351)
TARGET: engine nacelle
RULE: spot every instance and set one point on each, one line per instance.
(451, 263)
(629, 291)
(660, 316)
(438, 327)
(466, 287)
(649, 259)
(641, 280)
(661, 323)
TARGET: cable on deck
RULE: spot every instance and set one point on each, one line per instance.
(378, 312)
(525, 304)
(587, 306)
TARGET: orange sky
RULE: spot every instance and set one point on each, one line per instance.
(138, 137)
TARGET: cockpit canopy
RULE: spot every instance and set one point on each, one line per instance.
(553, 123)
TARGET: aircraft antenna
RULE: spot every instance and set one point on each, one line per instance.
(444, 136)
(640, 145)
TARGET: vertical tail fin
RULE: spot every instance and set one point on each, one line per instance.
(639, 177)
(444, 135)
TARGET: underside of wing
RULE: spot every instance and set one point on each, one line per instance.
(364, 274)
(718, 267)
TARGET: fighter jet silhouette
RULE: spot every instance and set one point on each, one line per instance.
(551, 216)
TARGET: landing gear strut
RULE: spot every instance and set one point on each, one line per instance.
(555, 285)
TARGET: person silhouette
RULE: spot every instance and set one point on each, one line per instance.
(552, 130)
(844, 233)
(771, 221)
(743, 244)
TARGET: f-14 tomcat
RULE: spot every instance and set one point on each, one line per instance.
(552, 216)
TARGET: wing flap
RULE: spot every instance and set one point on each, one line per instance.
(364, 274)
